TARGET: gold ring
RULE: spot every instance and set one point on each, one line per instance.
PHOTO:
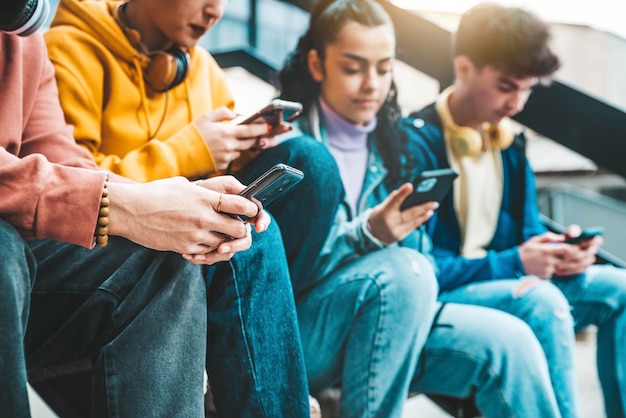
(219, 203)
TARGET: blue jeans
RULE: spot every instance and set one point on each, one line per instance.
(555, 310)
(306, 213)
(364, 326)
(544, 308)
(141, 317)
(598, 297)
(488, 354)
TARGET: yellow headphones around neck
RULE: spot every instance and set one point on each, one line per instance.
(466, 141)
(166, 69)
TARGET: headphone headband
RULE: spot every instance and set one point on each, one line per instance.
(24, 19)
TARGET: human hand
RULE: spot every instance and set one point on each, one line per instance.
(390, 225)
(176, 215)
(237, 205)
(541, 254)
(580, 255)
(228, 140)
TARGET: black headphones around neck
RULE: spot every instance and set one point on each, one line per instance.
(23, 17)
(166, 69)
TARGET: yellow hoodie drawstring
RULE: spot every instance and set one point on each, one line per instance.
(144, 94)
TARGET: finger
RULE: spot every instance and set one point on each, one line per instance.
(209, 259)
(221, 114)
(262, 221)
(222, 184)
(573, 231)
(264, 143)
(250, 131)
(237, 205)
(548, 237)
(235, 245)
(396, 197)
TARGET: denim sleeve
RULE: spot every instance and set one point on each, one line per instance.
(455, 271)
(347, 240)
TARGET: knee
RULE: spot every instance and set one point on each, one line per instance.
(546, 302)
(407, 279)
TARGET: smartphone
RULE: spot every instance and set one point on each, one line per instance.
(273, 184)
(276, 112)
(586, 234)
(431, 185)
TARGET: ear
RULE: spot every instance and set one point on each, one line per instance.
(315, 66)
(463, 67)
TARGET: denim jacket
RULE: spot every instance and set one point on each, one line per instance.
(350, 236)
(518, 219)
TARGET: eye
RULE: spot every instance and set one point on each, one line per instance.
(351, 70)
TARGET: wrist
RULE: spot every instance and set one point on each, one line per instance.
(118, 203)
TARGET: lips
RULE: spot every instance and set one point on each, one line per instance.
(198, 30)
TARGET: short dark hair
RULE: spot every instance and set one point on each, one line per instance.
(509, 38)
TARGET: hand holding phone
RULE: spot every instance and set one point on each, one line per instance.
(430, 186)
(585, 235)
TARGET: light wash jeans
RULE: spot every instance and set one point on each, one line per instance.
(488, 354)
(555, 310)
(364, 326)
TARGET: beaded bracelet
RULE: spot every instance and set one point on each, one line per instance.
(102, 228)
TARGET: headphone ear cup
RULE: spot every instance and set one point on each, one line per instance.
(167, 69)
(501, 135)
(464, 141)
(182, 65)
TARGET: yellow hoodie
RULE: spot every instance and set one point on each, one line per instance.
(114, 113)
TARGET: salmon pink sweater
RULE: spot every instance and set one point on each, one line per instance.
(49, 186)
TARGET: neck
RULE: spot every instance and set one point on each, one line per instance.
(149, 37)
(461, 111)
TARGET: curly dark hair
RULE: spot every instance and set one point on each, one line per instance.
(295, 82)
(509, 38)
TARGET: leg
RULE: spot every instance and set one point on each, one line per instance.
(306, 214)
(599, 297)
(139, 314)
(489, 354)
(17, 271)
(254, 357)
(544, 308)
(364, 326)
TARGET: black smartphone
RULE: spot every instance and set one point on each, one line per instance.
(586, 234)
(430, 185)
(272, 184)
(275, 112)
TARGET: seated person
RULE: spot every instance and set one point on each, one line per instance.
(110, 59)
(489, 243)
(132, 304)
(367, 312)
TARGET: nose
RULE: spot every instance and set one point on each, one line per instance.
(371, 79)
(518, 100)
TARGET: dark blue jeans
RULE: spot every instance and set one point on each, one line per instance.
(305, 213)
(141, 316)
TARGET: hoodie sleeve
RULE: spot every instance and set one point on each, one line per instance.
(106, 101)
(42, 196)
